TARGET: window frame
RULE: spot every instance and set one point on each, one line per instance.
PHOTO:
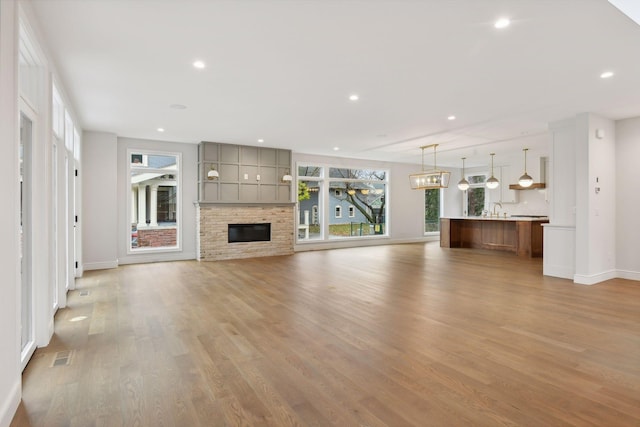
(440, 211)
(475, 185)
(129, 205)
(326, 213)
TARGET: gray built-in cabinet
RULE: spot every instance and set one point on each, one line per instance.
(247, 174)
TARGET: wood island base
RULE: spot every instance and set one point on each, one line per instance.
(524, 237)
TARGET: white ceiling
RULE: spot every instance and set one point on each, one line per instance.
(282, 70)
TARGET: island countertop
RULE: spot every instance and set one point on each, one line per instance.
(500, 218)
(520, 234)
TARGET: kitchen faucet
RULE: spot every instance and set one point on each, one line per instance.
(494, 208)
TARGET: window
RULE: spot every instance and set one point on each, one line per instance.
(475, 202)
(154, 179)
(432, 210)
(310, 184)
(361, 191)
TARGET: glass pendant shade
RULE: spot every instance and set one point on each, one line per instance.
(429, 179)
(525, 180)
(213, 173)
(492, 183)
(463, 184)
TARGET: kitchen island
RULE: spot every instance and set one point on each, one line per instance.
(521, 235)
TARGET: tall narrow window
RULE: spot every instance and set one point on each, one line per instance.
(338, 210)
(309, 200)
(26, 244)
(432, 210)
(154, 180)
(475, 202)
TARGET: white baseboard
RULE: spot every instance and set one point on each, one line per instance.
(629, 275)
(103, 265)
(592, 279)
(359, 242)
(10, 405)
(159, 257)
(560, 271)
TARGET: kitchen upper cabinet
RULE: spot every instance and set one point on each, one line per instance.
(508, 176)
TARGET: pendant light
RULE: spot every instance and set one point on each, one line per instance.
(429, 179)
(213, 173)
(525, 180)
(492, 183)
(463, 184)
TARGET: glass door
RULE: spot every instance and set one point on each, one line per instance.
(27, 300)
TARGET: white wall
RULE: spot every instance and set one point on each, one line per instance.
(595, 211)
(10, 384)
(100, 200)
(189, 196)
(405, 206)
(627, 200)
(106, 223)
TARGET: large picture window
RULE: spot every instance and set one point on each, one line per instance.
(154, 179)
(352, 202)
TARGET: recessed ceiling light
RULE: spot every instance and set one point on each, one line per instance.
(261, 140)
(178, 106)
(606, 74)
(198, 64)
(336, 148)
(353, 97)
(502, 23)
(77, 318)
(160, 129)
(451, 118)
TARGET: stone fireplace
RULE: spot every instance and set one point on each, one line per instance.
(213, 230)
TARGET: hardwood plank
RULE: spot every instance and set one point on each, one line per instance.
(379, 336)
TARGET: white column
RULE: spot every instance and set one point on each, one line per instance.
(153, 206)
(142, 206)
(134, 206)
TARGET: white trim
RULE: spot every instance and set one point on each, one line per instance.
(560, 271)
(103, 265)
(156, 257)
(179, 225)
(354, 242)
(627, 274)
(592, 279)
(10, 405)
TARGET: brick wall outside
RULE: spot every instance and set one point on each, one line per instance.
(213, 224)
(157, 237)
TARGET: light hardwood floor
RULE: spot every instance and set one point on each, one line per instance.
(379, 336)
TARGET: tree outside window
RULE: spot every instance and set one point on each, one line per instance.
(432, 210)
(359, 192)
(475, 201)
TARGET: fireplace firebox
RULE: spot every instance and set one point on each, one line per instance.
(249, 233)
